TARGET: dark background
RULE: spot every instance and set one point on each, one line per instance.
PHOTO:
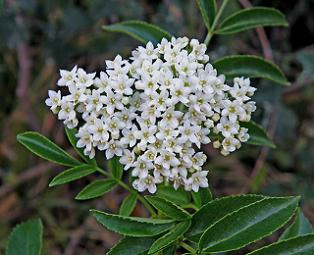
(39, 37)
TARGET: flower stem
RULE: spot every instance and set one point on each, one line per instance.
(125, 186)
(211, 31)
(188, 247)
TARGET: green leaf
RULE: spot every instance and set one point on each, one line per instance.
(216, 210)
(96, 189)
(251, 18)
(208, 11)
(139, 30)
(73, 140)
(132, 226)
(128, 205)
(26, 238)
(258, 135)
(302, 245)
(248, 224)
(250, 66)
(46, 149)
(202, 197)
(132, 246)
(171, 250)
(168, 208)
(115, 167)
(72, 174)
(179, 196)
(300, 226)
(177, 232)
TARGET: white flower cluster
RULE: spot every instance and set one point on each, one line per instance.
(155, 110)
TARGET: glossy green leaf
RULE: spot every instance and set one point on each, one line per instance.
(26, 238)
(250, 66)
(170, 250)
(132, 226)
(128, 205)
(252, 18)
(248, 224)
(179, 196)
(96, 189)
(302, 245)
(216, 210)
(132, 246)
(115, 167)
(202, 197)
(168, 208)
(173, 235)
(46, 149)
(208, 11)
(139, 30)
(73, 140)
(300, 226)
(72, 174)
(258, 135)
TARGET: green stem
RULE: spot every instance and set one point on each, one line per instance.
(188, 247)
(125, 186)
(211, 31)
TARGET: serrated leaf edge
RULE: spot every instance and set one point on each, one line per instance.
(52, 183)
(169, 233)
(101, 180)
(75, 161)
(107, 28)
(188, 216)
(18, 226)
(134, 219)
(224, 198)
(282, 241)
(266, 198)
(287, 83)
(285, 24)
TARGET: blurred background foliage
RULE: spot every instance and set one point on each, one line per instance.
(38, 37)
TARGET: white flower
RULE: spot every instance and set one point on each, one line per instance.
(145, 135)
(142, 167)
(85, 139)
(233, 109)
(243, 135)
(99, 131)
(198, 180)
(149, 52)
(167, 159)
(77, 94)
(84, 79)
(122, 84)
(166, 132)
(102, 83)
(179, 92)
(171, 118)
(113, 101)
(67, 77)
(113, 148)
(129, 136)
(188, 133)
(230, 144)
(154, 110)
(227, 128)
(54, 99)
(95, 101)
(146, 183)
(127, 159)
(67, 111)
